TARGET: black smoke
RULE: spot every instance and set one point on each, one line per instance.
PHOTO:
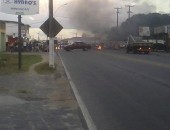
(93, 15)
(100, 15)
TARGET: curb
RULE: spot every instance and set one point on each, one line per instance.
(88, 120)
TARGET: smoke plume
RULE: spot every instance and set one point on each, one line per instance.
(93, 15)
(99, 15)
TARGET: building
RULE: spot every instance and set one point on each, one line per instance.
(12, 31)
(9, 33)
(2, 36)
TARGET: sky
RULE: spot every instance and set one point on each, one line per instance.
(89, 15)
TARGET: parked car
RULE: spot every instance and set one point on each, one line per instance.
(78, 45)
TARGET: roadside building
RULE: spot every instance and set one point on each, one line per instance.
(12, 31)
(2, 36)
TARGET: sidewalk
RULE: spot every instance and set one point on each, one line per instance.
(29, 101)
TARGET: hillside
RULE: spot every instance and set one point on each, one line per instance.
(131, 25)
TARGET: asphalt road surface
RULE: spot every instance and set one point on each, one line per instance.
(122, 91)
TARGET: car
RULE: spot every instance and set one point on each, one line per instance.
(78, 45)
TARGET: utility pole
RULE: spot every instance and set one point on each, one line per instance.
(19, 43)
(51, 38)
(129, 12)
(117, 15)
(38, 36)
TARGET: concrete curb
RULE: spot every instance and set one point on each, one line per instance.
(84, 110)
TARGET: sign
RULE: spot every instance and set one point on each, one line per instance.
(144, 31)
(56, 27)
(161, 29)
(20, 7)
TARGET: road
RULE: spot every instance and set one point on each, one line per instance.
(122, 91)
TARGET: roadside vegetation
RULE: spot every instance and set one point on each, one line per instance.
(9, 63)
(44, 68)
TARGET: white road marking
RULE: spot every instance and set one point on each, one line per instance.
(87, 117)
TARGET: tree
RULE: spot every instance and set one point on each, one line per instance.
(131, 25)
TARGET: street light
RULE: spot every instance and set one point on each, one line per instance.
(60, 7)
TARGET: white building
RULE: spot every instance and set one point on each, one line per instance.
(12, 29)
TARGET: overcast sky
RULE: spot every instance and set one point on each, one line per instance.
(85, 14)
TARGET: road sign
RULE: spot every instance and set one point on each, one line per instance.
(56, 27)
(20, 7)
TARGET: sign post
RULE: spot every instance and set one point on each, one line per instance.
(19, 43)
(51, 38)
(20, 7)
(51, 28)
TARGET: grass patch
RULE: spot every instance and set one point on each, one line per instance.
(44, 68)
(11, 63)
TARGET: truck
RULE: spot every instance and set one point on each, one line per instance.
(137, 45)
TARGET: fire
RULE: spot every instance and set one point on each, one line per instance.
(99, 48)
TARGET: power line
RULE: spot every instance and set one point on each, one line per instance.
(59, 8)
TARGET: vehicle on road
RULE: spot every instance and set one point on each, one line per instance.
(78, 45)
(137, 45)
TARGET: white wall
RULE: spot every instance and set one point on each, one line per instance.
(12, 28)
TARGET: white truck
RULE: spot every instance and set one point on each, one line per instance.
(137, 45)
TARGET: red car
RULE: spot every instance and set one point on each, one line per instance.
(78, 45)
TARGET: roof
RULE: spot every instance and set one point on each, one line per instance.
(138, 39)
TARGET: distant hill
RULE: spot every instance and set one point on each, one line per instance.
(131, 25)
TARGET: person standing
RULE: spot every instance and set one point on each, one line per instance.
(25, 46)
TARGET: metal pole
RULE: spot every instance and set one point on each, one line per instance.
(38, 36)
(129, 12)
(19, 43)
(51, 38)
(117, 19)
(117, 16)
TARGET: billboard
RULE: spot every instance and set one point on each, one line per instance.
(161, 29)
(144, 31)
(20, 7)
